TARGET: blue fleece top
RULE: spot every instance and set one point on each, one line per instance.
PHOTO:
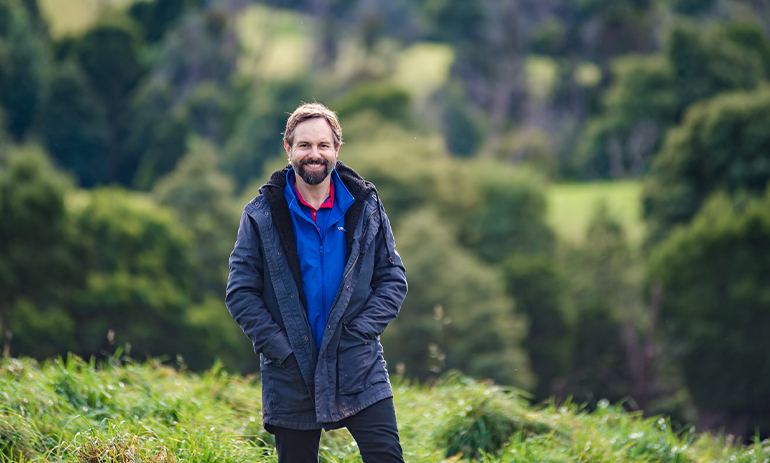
(322, 250)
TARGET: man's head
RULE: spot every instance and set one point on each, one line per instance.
(312, 111)
(312, 140)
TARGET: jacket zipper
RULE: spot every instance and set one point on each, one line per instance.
(363, 237)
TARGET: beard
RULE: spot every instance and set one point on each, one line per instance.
(313, 177)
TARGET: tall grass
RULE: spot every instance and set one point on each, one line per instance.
(70, 410)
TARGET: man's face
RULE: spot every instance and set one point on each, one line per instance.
(313, 155)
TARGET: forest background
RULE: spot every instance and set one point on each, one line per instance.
(134, 132)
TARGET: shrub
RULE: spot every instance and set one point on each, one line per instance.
(487, 417)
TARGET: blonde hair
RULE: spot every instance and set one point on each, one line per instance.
(311, 111)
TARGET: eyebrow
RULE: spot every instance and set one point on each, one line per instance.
(301, 140)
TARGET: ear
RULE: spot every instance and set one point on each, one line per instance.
(287, 148)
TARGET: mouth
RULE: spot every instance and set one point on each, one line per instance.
(314, 164)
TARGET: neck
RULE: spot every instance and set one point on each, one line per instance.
(315, 195)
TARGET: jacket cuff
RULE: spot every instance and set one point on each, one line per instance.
(278, 348)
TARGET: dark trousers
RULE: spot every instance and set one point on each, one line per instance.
(374, 429)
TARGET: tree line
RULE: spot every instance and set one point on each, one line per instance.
(129, 148)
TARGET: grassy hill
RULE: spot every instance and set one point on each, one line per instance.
(74, 411)
(571, 206)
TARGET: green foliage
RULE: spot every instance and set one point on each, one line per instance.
(537, 287)
(640, 103)
(389, 101)
(203, 200)
(603, 290)
(485, 420)
(24, 61)
(140, 277)
(715, 279)
(19, 440)
(39, 270)
(74, 127)
(456, 315)
(158, 16)
(159, 414)
(109, 56)
(258, 131)
(705, 64)
(692, 7)
(156, 135)
(454, 20)
(207, 111)
(650, 94)
(510, 215)
(722, 144)
(462, 131)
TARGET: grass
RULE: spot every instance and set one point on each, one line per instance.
(70, 17)
(571, 206)
(120, 411)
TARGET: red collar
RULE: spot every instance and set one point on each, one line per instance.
(328, 204)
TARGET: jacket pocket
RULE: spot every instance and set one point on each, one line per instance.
(360, 362)
(288, 392)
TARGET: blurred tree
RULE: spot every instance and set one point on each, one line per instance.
(456, 315)
(509, 216)
(461, 128)
(603, 292)
(108, 53)
(604, 29)
(74, 128)
(207, 110)
(409, 168)
(156, 134)
(40, 270)
(639, 105)
(705, 64)
(140, 276)
(455, 21)
(211, 334)
(537, 287)
(258, 130)
(651, 94)
(390, 101)
(692, 7)
(723, 144)
(25, 59)
(750, 36)
(716, 306)
(203, 47)
(159, 16)
(203, 200)
(108, 58)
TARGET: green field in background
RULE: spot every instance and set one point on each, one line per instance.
(571, 206)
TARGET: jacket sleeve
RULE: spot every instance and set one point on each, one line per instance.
(388, 285)
(244, 295)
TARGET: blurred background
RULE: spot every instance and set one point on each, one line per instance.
(578, 188)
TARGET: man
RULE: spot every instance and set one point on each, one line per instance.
(314, 280)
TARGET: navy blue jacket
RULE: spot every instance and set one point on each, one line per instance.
(304, 387)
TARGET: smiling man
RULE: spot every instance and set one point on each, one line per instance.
(314, 280)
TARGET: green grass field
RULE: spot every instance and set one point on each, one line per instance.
(74, 411)
(571, 206)
(73, 16)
